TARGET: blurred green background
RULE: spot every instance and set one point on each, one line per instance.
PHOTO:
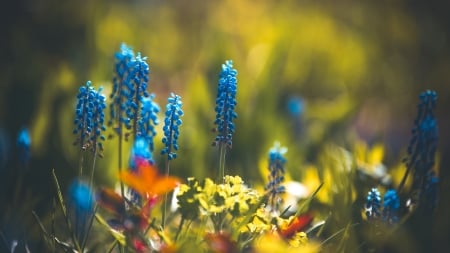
(358, 67)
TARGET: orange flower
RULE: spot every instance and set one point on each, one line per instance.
(147, 182)
(299, 223)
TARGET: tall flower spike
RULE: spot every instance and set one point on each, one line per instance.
(373, 204)
(276, 176)
(225, 105)
(172, 122)
(391, 204)
(421, 151)
(137, 89)
(90, 118)
(120, 94)
(148, 120)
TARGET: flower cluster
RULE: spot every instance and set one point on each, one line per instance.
(90, 118)
(391, 205)
(172, 122)
(148, 120)
(421, 153)
(276, 175)
(225, 105)
(132, 106)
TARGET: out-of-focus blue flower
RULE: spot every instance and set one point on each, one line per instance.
(295, 106)
(81, 195)
(90, 118)
(391, 204)
(140, 150)
(276, 175)
(172, 122)
(23, 145)
(148, 120)
(225, 105)
(421, 151)
(373, 204)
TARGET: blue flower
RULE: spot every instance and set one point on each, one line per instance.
(421, 152)
(148, 120)
(295, 106)
(276, 176)
(136, 88)
(90, 118)
(391, 204)
(225, 105)
(129, 91)
(81, 195)
(373, 204)
(172, 122)
(23, 145)
(121, 81)
(140, 150)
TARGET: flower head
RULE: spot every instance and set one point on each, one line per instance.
(225, 105)
(146, 180)
(148, 120)
(81, 195)
(23, 145)
(373, 204)
(391, 204)
(172, 122)
(276, 176)
(422, 150)
(122, 79)
(129, 90)
(136, 88)
(90, 118)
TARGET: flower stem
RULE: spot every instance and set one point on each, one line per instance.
(164, 211)
(222, 154)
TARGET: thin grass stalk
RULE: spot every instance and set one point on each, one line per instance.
(64, 211)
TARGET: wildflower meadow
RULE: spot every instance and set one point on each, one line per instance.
(154, 162)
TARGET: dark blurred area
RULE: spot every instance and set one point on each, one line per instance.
(359, 66)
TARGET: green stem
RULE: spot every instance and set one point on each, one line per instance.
(164, 211)
(222, 154)
(122, 188)
(81, 164)
(180, 227)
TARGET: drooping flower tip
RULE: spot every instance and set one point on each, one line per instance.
(172, 123)
(225, 105)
